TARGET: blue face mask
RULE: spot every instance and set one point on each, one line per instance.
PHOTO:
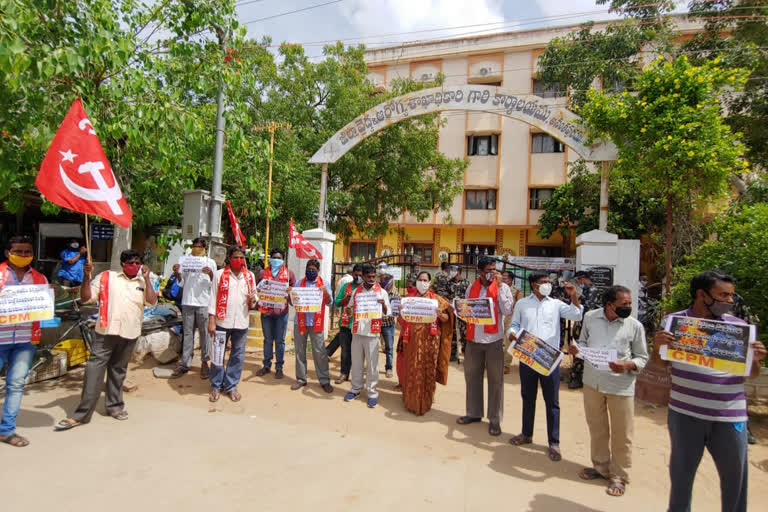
(275, 264)
(311, 275)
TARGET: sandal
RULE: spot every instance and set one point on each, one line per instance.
(205, 371)
(494, 429)
(616, 488)
(554, 454)
(66, 424)
(520, 440)
(466, 420)
(591, 474)
(235, 395)
(214, 395)
(120, 416)
(15, 440)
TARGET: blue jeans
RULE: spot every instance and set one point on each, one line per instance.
(550, 388)
(227, 379)
(728, 447)
(18, 357)
(388, 333)
(274, 331)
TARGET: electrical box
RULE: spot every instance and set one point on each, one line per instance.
(197, 205)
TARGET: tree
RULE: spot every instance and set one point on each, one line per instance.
(737, 245)
(671, 135)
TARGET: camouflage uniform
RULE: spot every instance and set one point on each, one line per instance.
(441, 285)
(591, 298)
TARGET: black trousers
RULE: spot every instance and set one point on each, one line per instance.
(342, 339)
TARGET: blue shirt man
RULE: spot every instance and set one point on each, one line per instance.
(72, 262)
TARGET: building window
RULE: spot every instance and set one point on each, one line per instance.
(541, 90)
(543, 143)
(421, 252)
(362, 251)
(482, 145)
(544, 251)
(538, 196)
(480, 199)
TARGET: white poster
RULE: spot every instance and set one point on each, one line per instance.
(219, 346)
(25, 303)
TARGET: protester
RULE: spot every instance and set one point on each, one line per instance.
(707, 407)
(194, 309)
(415, 269)
(346, 278)
(609, 396)
(540, 315)
(343, 338)
(72, 261)
(311, 325)
(365, 339)
(274, 321)
(591, 299)
(387, 283)
(234, 296)
(18, 341)
(484, 351)
(426, 352)
(440, 283)
(122, 297)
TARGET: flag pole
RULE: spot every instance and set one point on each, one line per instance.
(88, 240)
(270, 127)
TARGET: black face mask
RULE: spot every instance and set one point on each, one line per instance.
(623, 311)
(718, 308)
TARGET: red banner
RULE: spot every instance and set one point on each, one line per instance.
(303, 248)
(239, 237)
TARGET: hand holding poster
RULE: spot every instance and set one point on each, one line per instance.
(475, 311)
(367, 306)
(394, 303)
(219, 346)
(598, 357)
(193, 264)
(535, 352)
(273, 294)
(307, 300)
(419, 310)
(710, 343)
(26, 303)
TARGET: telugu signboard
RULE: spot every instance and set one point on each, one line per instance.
(25, 303)
(535, 353)
(475, 311)
(418, 310)
(367, 306)
(273, 294)
(307, 300)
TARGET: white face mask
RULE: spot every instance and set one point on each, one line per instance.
(74, 245)
(545, 289)
(422, 286)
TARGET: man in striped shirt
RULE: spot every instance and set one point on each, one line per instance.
(707, 407)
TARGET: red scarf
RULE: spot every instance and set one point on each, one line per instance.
(493, 294)
(37, 278)
(104, 299)
(282, 275)
(407, 325)
(375, 322)
(319, 317)
(222, 294)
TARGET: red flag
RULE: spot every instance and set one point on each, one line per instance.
(75, 172)
(303, 248)
(239, 237)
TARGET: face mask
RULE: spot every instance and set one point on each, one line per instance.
(131, 269)
(358, 280)
(719, 308)
(275, 264)
(489, 276)
(198, 251)
(623, 311)
(20, 261)
(422, 286)
(74, 245)
(545, 289)
(643, 282)
(237, 263)
(453, 273)
(311, 275)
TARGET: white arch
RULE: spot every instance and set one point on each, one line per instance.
(556, 121)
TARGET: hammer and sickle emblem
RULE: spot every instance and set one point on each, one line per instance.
(84, 123)
(103, 192)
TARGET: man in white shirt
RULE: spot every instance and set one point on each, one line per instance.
(540, 315)
(233, 296)
(194, 309)
(484, 353)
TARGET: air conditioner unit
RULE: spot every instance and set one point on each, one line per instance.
(425, 77)
(485, 71)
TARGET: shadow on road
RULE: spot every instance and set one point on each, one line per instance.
(548, 503)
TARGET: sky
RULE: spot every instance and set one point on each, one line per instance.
(358, 21)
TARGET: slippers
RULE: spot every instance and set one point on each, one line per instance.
(520, 440)
(591, 474)
(214, 395)
(466, 420)
(494, 429)
(616, 488)
(234, 395)
(120, 416)
(554, 454)
(66, 424)
(15, 440)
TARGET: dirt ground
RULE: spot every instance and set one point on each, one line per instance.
(279, 449)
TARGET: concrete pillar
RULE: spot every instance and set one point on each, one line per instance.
(323, 241)
(602, 249)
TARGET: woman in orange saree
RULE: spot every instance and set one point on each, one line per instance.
(425, 349)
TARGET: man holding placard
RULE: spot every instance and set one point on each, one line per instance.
(612, 345)
(540, 315)
(273, 283)
(18, 340)
(194, 273)
(367, 306)
(484, 351)
(343, 338)
(707, 404)
(309, 298)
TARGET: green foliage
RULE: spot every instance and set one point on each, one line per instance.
(738, 245)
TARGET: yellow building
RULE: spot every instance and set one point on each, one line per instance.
(513, 166)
